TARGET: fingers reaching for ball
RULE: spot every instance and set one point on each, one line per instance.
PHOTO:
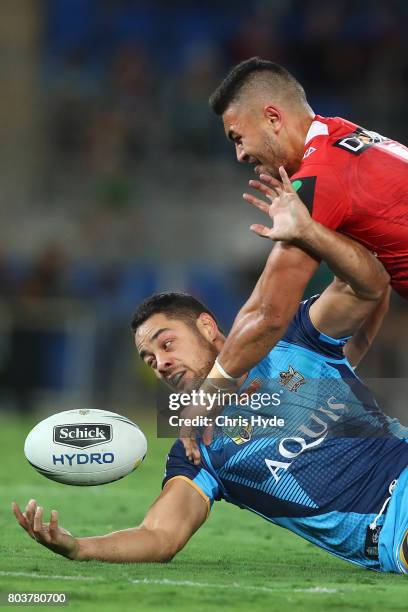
(49, 534)
(32, 520)
(26, 519)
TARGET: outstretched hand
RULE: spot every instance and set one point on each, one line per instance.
(290, 216)
(50, 535)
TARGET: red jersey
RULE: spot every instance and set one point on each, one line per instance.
(356, 181)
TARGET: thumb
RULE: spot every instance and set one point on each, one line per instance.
(187, 447)
(208, 435)
(261, 230)
(196, 454)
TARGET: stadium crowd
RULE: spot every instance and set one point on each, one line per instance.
(127, 137)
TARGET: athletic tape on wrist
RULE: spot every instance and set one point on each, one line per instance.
(223, 372)
(219, 374)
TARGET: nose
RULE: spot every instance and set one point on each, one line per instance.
(242, 157)
(163, 362)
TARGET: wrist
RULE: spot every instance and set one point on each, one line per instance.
(79, 551)
(219, 380)
(218, 368)
(308, 233)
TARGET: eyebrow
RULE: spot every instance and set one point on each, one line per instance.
(143, 353)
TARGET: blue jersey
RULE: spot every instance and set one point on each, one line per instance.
(321, 461)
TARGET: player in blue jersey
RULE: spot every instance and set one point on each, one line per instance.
(317, 455)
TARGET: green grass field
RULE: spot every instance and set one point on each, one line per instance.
(237, 561)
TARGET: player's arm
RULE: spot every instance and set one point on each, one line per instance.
(169, 523)
(259, 325)
(264, 318)
(357, 347)
(346, 303)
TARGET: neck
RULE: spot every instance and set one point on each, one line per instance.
(305, 124)
(300, 127)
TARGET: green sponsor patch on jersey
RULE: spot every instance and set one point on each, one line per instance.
(305, 188)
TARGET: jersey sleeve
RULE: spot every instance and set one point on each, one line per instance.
(303, 333)
(320, 189)
(178, 466)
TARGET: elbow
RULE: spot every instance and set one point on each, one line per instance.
(377, 296)
(381, 287)
(376, 290)
(168, 553)
(166, 558)
(386, 279)
(168, 550)
(163, 555)
(383, 282)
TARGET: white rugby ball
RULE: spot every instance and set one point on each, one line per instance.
(85, 447)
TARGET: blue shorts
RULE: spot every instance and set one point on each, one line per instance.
(395, 529)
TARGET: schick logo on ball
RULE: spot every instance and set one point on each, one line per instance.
(82, 435)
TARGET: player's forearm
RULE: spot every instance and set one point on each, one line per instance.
(263, 320)
(349, 260)
(128, 546)
(250, 339)
(358, 346)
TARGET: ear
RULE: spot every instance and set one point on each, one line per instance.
(273, 115)
(207, 326)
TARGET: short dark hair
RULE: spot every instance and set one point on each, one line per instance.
(230, 87)
(175, 305)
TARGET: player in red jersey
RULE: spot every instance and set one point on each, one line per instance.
(356, 181)
(352, 180)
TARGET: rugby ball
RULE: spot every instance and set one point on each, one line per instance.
(85, 447)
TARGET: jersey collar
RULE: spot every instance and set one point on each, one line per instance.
(317, 128)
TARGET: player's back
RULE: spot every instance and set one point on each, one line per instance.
(355, 181)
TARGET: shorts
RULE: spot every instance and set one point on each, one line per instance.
(392, 556)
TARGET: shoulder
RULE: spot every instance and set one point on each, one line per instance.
(322, 142)
(301, 332)
(329, 128)
(322, 156)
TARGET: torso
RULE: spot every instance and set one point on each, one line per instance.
(356, 182)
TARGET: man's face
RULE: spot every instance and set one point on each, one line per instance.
(179, 354)
(256, 141)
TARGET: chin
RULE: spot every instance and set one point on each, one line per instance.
(262, 169)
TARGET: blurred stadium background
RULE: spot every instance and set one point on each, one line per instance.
(116, 180)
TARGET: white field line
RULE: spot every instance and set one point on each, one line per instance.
(177, 583)
(202, 585)
(45, 577)
(318, 589)
(232, 585)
